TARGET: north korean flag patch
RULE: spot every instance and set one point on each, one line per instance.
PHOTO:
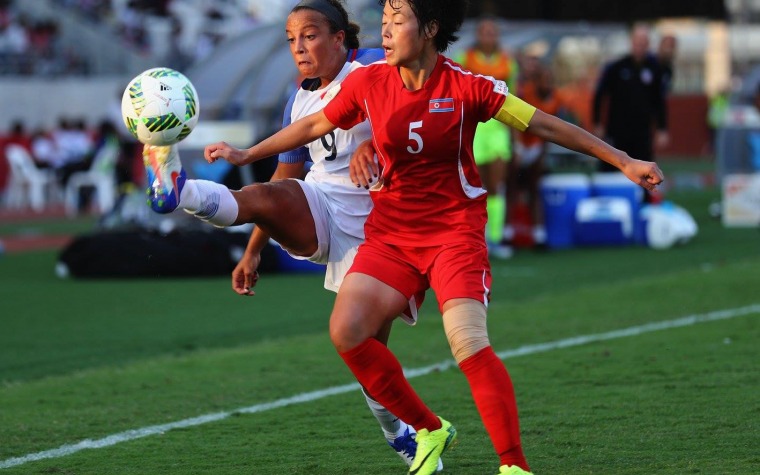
(441, 105)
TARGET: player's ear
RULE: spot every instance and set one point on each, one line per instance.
(431, 29)
(340, 38)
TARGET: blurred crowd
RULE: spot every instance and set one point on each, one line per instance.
(70, 146)
(185, 31)
(32, 47)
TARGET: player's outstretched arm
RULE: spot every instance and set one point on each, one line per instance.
(297, 134)
(554, 129)
(363, 168)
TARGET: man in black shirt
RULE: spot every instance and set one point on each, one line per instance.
(666, 53)
(632, 88)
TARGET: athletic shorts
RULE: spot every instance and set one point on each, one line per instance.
(459, 270)
(339, 221)
(492, 142)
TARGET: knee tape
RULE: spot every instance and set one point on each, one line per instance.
(465, 327)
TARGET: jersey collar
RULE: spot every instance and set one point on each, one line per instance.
(429, 83)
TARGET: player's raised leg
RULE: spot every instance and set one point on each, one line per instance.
(166, 177)
(292, 225)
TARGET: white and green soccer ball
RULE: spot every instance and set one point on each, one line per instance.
(160, 106)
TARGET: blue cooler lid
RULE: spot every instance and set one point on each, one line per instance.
(566, 180)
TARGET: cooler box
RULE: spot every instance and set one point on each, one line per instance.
(560, 195)
(617, 184)
(604, 221)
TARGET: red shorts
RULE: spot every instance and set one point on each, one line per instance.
(459, 270)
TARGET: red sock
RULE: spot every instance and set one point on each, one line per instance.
(380, 373)
(495, 399)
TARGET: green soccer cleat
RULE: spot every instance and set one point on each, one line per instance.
(430, 447)
(512, 470)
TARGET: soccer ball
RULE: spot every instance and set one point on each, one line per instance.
(160, 106)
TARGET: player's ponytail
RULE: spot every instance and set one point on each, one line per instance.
(352, 36)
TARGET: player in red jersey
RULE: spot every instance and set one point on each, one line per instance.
(427, 227)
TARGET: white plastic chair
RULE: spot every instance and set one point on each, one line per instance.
(28, 184)
(101, 176)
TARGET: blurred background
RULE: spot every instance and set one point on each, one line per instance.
(64, 65)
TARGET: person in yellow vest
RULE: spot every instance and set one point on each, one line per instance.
(493, 140)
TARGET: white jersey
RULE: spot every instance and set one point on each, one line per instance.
(331, 154)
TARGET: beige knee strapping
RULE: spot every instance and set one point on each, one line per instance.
(465, 327)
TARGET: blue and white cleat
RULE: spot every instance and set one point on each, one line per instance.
(166, 177)
(405, 445)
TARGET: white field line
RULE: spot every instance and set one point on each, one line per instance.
(133, 434)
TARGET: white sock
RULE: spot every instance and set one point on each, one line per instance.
(388, 422)
(209, 201)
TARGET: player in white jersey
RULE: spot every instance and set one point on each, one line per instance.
(338, 207)
(320, 218)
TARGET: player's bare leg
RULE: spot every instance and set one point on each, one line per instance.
(281, 210)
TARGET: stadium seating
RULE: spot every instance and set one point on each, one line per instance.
(28, 185)
(101, 176)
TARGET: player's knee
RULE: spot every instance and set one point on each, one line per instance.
(465, 326)
(345, 332)
(256, 201)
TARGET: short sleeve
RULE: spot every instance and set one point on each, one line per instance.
(300, 154)
(345, 110)
(491, 94)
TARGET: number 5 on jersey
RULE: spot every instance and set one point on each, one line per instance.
(415, 137)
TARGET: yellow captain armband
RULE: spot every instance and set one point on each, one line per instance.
(515, 113)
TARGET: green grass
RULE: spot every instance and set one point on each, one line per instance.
(51, 226)
(88, 359)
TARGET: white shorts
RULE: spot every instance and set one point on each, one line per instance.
(339, 214)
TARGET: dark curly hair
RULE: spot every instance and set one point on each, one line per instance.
(352, 29)
(448, 14)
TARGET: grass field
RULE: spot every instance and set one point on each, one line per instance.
(109, 376)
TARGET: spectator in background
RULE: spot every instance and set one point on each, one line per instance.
(576, 99)
(666, 53)
(716, 114)
(17, 135)
(493, 140)
(530, 62)
(527, 168)
(632, 89)
(74, 144)
(44, 151)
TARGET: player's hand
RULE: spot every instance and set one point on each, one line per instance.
(224, 151)
(244, 276)
(363, 168)
(646, 174)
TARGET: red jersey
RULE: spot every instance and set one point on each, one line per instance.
(429, 192)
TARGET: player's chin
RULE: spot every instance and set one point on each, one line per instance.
(307, 70)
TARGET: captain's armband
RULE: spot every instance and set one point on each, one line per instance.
(515, 113)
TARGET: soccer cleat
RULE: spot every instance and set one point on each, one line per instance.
(166, 177)
(405, 445)
(512, 470)
(430, 447)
